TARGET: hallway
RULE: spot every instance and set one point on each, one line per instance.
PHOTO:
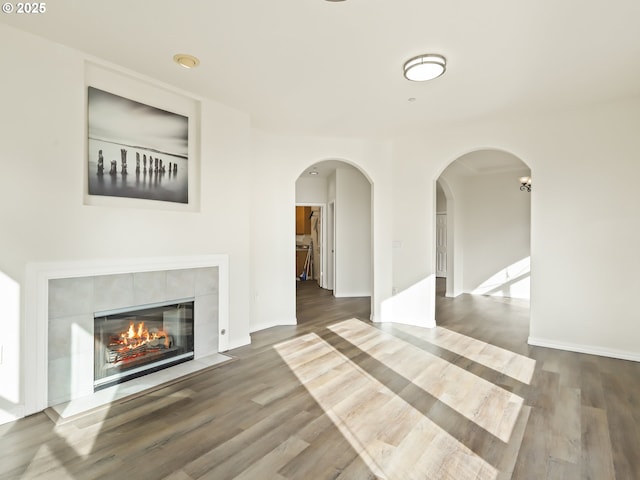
(313, 303)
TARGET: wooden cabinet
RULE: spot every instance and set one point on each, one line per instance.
(303, 222)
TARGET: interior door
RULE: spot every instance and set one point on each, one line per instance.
(441, 245)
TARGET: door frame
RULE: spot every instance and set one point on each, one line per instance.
(331, 246)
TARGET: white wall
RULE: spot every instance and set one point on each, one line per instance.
(413, 274)
(496, 242)
(42, 138)
(585, 228)
(493, 241)
(311, 190)
(353, 234)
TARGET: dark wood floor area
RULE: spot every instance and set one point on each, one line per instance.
(339, 398)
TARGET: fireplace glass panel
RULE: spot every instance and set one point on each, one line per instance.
(134, 342)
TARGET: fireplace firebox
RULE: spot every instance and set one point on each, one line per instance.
(140, 340)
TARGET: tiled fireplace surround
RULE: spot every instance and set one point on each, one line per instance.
(74, 291)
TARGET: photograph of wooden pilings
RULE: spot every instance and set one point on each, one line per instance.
(120, 129)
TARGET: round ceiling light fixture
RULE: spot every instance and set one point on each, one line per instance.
(425, 67)
(185, 60)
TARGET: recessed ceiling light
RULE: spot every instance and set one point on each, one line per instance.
(186, 60)
(425, 67)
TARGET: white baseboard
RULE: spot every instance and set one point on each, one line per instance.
(351, 294)
(265, 325)
(588, 349)
(240, 343)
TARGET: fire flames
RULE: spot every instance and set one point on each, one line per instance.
(136, 341)
(136, 337)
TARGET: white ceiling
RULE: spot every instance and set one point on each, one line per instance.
(335, 68)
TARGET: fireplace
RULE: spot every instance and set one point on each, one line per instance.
(63, 298)
(131, 342)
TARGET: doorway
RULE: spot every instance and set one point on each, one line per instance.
(441, 245)
(309, 244)
(483, 225)
(331, 241)
(343, 196)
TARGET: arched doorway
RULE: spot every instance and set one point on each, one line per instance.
(483, 224)
(336, 242)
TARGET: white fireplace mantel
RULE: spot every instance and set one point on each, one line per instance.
(35, 327)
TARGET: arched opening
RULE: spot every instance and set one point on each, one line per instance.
(334, 248)
(483, 226)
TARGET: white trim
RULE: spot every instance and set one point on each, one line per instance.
(588, 349)
(37, 307)
(351, 294)
(265, 325)
(244, 341)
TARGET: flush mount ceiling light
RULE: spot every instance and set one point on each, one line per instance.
(314, 171)
(186, 60)
(425, 67)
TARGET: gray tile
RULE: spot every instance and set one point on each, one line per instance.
(149, 287)
(70, 378)
(206, 325)
(207, 280)
(72, 303)
(59, 381)
(70, 296)
(113, 291)
(181, 283)
(70, 335)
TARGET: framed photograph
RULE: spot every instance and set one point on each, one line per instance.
(136, 150)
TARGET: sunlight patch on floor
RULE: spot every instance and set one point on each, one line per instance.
(393, 438)
(485, 404)
(45, 464)
(512, 364)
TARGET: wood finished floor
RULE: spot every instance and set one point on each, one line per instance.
(338, 398)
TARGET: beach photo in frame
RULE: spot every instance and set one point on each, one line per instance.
(136, 150)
